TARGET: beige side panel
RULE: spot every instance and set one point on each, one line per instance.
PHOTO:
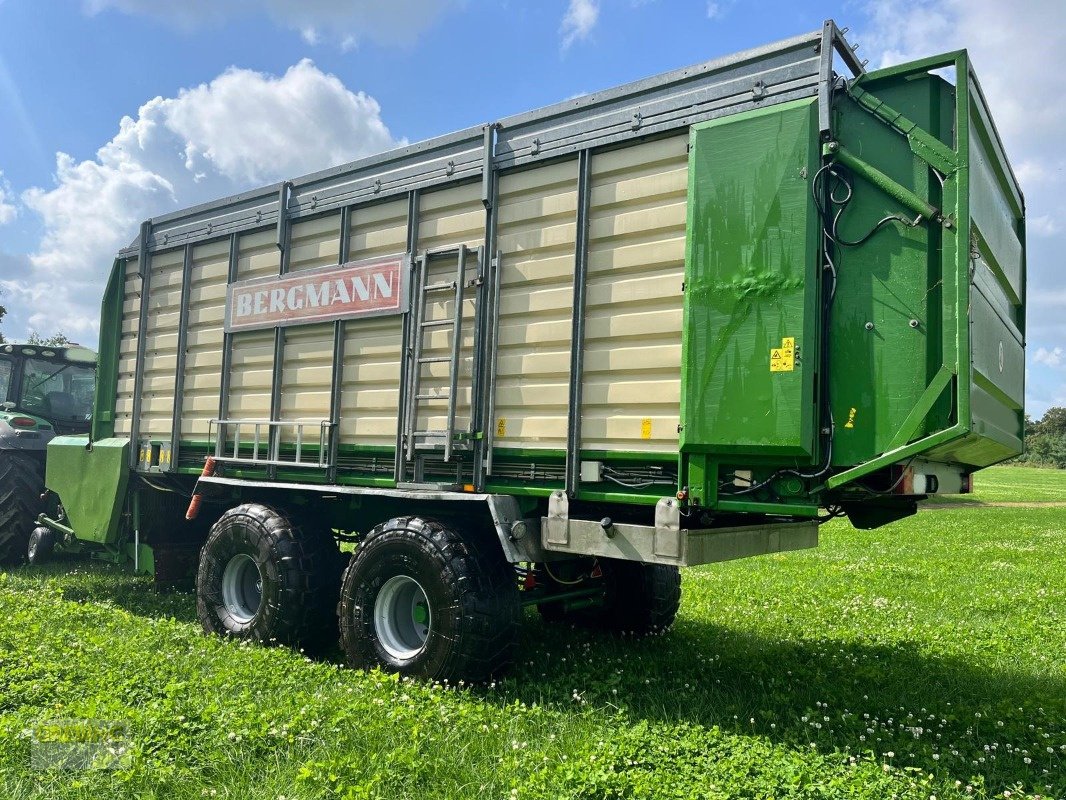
(259, 256)
(536, 240)
(307, 368)
(252, 359)
(127, 358)
(161, 343)
(315, 242)
(449, 218)
(306, 375)
(251, 375)
(203, 343)
(370, 391)
(632, 370)
(370, 382)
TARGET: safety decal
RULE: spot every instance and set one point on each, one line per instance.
(783, 358)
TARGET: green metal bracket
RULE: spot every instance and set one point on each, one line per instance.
(754, 507)
(921, 409)
(899, 454)
(927, 147)
(890, 187)
(55, 526)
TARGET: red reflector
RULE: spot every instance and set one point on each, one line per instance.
(23, 422)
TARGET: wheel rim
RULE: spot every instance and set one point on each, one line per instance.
(242, 588)
(32, 551)
(402, 617)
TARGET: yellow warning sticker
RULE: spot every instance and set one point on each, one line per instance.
(851, 419)
(783, 358)
(645, 428)
(501, 427)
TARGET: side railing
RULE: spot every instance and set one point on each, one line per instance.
(258, 442)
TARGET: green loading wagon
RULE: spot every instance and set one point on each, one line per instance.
(550, 360)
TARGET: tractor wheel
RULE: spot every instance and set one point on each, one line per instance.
(422, 600)
(21, 486)
(638, 598)
(42, 543)
(262, 578)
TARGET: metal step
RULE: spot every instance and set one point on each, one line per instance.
(439, 287)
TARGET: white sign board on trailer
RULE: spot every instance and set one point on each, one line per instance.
(357, 289)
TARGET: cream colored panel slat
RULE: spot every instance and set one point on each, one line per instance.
(378, 230)
(131, 303)
(370, 382)
(203, 339)
(315, 242)
(536, 236)
(450, 217)
(631, 384)
(306, 378)
(251, 375)
(259, 255)
(159, 377)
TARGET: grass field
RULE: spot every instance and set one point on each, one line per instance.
(924, 659)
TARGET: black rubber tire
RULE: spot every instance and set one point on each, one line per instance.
(300, 573)
(40, 546)
(640, 599)
(21, 487)
(472, 593)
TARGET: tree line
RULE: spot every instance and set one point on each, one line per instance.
(1045, 440)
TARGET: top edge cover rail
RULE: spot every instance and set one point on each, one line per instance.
(776, 73)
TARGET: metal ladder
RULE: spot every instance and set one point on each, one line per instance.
(444, 439)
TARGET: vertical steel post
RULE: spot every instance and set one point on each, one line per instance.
(825, 80)
(284, 233)
(227, 338)
(457, 343)
(179, 378)
(577, 337)
(144, 267)
(406, 342)
(337, 377)
(493, 347)
(480, 423)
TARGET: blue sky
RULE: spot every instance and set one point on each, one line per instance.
(114, 110)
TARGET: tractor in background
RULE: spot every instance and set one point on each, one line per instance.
(44, 392)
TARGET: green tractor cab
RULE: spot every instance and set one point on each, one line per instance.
(44, 392)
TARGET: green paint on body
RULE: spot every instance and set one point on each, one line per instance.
(90, 483)
(751, 285)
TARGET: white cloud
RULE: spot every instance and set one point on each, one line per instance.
(8, 210)
(1044, 225)
(580, 18)
(242, 129)
(714, 10)
(339, 20)
(1018, 51)
(1051, 358)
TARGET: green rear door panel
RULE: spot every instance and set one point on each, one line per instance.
(751, 284)
(886, 335)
